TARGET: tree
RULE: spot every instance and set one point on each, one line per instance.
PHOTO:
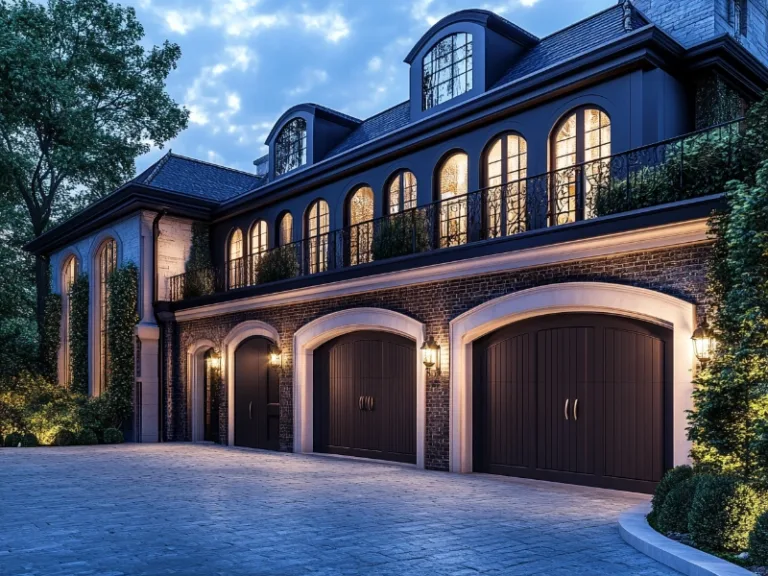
(80, 99)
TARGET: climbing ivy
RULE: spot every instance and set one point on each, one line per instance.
(123, 285)
(49, 346)
(78, 335)
(199, 272)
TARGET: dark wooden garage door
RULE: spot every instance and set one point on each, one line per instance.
(576, 398)
(365, 396)
(257, 396)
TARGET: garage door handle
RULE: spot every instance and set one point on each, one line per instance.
(250, 410)
(565, 409)
(576, 410)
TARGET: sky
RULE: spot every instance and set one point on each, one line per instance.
(245, 62)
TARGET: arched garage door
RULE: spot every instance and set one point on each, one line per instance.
(365, 396)
(577, 398)
(257, 396)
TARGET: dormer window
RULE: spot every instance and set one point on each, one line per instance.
(447, 71)
(291, 146)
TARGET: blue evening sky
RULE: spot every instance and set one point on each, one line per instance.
(244, 62)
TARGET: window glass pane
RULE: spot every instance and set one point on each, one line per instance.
(291, 146)
(447, 70)
(453, 176)
(286, 229)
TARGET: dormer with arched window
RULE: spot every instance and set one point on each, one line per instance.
(449, 64)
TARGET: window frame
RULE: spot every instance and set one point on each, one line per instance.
(399, 177)
(430, 96)
(106, 262)
(70, 270)
(359, 235)
(505, 225)
(317, 244)
(235, 266)
(452, 229)
(282, 147)
(279, 239)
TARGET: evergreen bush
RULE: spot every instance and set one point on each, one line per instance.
(78, 335)
(677, 507)
(87, 437)
(669, 481)
(400, 235)
(278, 264)
(49, 346)
(13, 439)
(64, 438)
(2, 441)
(723, 513)
(113, 436)
(29, 440)
(758, 541)
(199, 277)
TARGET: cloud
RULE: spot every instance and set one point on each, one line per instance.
(374, 64)
(332, 25)
(311, 79)
(183, 22)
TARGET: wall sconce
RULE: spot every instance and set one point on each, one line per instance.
(276, 358)
(704, 342)
(214, 362)
(430, 355)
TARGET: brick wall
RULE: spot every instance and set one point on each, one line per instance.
(679, 272)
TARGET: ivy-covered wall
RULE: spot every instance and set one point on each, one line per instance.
(49, 347)
(716, 102)
(78, 334)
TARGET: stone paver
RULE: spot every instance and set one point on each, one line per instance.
(197, 509)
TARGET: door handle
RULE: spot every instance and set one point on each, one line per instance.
(360, 403)
(565, 409)
(576, 410)
(250, 410)
(370, 403)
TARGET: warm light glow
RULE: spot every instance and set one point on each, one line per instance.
(429, 353)
(275, 357)
(704, 342)
(214, 362)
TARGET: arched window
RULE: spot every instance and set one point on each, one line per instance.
(291, 146)
(285, 226)
(581, 147)
(452, 189)
(359, 225)
(259, 246)
(447, 70)
(318, 226)
(68, 276)
(506, 168)
(106, 262)
(401, 194)
(235, 260)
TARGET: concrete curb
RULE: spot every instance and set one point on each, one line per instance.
(636, 532)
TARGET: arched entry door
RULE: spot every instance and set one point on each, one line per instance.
(577, 398)
(365, 396)
(257, 396)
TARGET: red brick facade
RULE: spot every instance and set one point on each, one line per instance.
(679, 272)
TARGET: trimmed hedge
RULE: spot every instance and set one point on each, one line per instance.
(758, 542)
(64, 438)
(669, 481)
(78, 335)
(113, 436)
(13, 440)
(400, 235)
(278, 264)
(87, 437)
(29, 440)
(49, 346)
(723, 513)
(677, 506)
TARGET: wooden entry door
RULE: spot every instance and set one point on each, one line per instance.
(365, 396)
(257, 396)
(578, 398)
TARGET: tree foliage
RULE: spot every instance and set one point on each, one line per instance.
(80, 99)
(51, 338)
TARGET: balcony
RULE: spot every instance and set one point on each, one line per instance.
(696, 165)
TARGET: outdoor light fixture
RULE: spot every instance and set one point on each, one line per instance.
(704, 342)
(275, 357)
(214, 362)
(430, 355)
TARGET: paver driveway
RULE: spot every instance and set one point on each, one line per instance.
(196, 509)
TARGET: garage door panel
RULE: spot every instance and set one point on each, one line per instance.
(583, 403)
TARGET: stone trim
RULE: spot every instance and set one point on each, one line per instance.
(615, 299)
(310, 336)
(195, 378)
(241, 332)
(636, 532)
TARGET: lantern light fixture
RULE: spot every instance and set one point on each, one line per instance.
(430, 355)
(704, 342)
(213, 361)
(275, 357)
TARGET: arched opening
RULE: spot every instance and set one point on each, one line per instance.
(447, 70)
(291, 146)
(285, 229)
(69, 273)
(452, 188)
(401, 192)
(259, 247)
(505, 171)
(106, 263)
(359, 216)
(581, 149)
(235, 262)
(204, 374)
(318, 225)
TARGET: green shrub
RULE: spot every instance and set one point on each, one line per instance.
(758, 542)
(723, 513)
(199, 279)
(669, 481)
(2, 441)
(278, 264)
(78, 335)
(87, 437)
(13, 439)
(113, 436)
(49, 346)
(64, 438)
(400, 235)
(29, 440)
(677, 506)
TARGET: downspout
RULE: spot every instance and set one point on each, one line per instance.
(160, 324)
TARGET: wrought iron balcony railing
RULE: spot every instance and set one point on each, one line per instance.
(695, 165)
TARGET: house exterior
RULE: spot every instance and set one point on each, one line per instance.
(500, 274)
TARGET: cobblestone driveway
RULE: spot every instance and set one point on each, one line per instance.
(195, 509)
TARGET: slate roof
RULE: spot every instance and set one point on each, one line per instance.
(196, 178)
(383, 123)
